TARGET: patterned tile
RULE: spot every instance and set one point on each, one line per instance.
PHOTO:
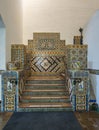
(47, 64)
(47, 52)
(18, 54)
(76, 56)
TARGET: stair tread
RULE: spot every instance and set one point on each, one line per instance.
(42, 94)
(45, 97)
(40, 105)
(28, 84)
(44, 90)
(45, 78)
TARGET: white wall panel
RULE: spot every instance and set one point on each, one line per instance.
(64, 16)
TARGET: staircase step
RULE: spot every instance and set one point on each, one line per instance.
(44, 109)
(27, 99)
(43, 77)
(45, 81)
(45, 92)
(30, 107)
(45, 105)
(45, 86)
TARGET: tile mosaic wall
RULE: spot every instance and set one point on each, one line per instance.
(77, 40)
(94, 71)
(51, 64)
(47, 47)
(76, 56)
(50, 35)
(18, 54)
(47, 52)
(9, 91)
(12, 86)
(80, 89)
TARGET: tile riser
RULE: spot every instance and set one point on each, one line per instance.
(44, 109)
(44, 100)
(45, 87)
(45, 82)
(44, 93)
(53, 93)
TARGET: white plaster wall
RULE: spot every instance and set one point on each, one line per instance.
(11, 12)
(97, 89)
(2, 49)
(64, 16)
(0, 88)
(95, 83)
(91, 37)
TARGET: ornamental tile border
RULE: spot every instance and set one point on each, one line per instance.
(94, 71)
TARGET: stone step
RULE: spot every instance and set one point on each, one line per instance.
(41, 105)
(34, 99)
(43, 77)
(45, 86)
(45, 92)
(45, 81)
(45, 107)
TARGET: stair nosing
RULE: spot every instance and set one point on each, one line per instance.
(44, 105)
(46, 97)
(44, 84)
(44, 90)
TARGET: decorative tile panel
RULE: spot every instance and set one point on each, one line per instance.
(77, 40)
(9, 91)
(76, 56)
(47, 52)
(49, 35)
(18, 54)
(47, 64)
(12, 87)
(80, 89)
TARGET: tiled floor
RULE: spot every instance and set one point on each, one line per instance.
(88, 120)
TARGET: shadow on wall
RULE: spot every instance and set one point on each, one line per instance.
(91, 37)
(2, 45)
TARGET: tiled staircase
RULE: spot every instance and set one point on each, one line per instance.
(45, 93)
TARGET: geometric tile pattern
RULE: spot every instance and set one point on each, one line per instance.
(12, 87)
(47, 46)
(47, 52)
(77, 40)
(76, 56)
(44, 35)
(80, 89)
(18, 54)
(47, 64)
(81, 103)
(94, 71)
(9, 91)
